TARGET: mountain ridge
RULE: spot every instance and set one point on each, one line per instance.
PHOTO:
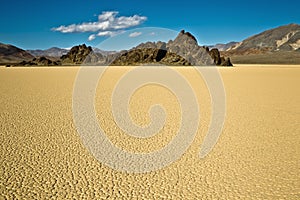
(12, 54)
(53, 52)
(280, 38)
(277, 45)
(223, 47)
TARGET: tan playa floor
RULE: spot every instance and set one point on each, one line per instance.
(256, 157)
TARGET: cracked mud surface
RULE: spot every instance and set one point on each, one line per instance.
(256, 157)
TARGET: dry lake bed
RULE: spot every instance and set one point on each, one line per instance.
(257, 155)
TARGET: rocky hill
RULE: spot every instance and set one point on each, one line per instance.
(184, 50)
(186, 45)
(10, 54)
(76, 55)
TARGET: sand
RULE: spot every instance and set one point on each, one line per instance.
(256, 157)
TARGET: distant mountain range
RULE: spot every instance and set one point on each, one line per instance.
(279, 45)
(56, 52)
(96, 50)
(223, 47)
(52, 52)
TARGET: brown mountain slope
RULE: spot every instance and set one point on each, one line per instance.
(280, 45)
(283, 38)
(11, 54)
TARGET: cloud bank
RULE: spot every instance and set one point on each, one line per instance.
(108, 24)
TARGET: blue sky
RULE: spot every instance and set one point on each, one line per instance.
(34, 24)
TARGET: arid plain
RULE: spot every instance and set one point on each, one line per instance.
(256, 157)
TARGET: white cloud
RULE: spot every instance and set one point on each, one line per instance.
(106, 33)
(109, 33)
(152, 33)
(92, 37)
(108, 24)
(135, 34)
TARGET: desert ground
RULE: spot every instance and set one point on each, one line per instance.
(256, 156)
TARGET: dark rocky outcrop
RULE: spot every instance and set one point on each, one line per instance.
(218, 59)
(41, 61)
(184, 50)
(76, 55)
(215, 55)
(149, 56)
(185, 45)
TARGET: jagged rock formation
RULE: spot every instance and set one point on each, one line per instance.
(152, 45)
(76, 55)
(184, 50)
(186, 45)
